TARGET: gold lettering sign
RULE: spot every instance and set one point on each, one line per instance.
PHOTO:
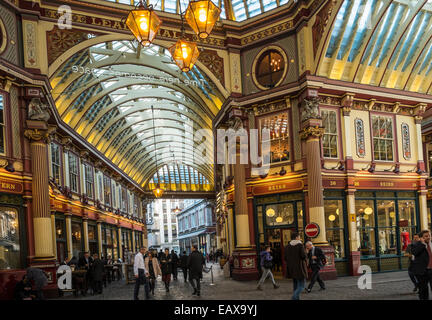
(277, 187)
(11, 187)
(8, 186)
(332, 183)
(356, 183)
(386, 184)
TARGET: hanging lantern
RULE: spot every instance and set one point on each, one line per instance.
(279, 219)
(158, 192)
(202, 16)
(144, 23)
(270, 212)
(184, 54)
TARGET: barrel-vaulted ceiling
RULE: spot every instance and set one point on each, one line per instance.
(386, 43)
(106, 93)
(237, 10)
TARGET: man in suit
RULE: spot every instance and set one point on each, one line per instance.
(422, 264)
(316, 260)
(195, 265)
(183, 265)
(411, 260)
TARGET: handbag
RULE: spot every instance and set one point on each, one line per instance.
(268, 264)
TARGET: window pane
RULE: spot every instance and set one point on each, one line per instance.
(280, 214)
(279, 136)
(367, 242)
(333, 211)
(386, 213)
(387, 241)
(9, 239)
(2, 142)
(407, 213)
(60, 229)
(76, 239)
(365, 227)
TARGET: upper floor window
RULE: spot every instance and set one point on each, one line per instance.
(73, 172)
(56, 163)
(2, 126)
(279, 136)
(100, 185)
(124, 200)
(89, 180)
(382, 133)
(270, 68)
(107, 190)
(330, 137)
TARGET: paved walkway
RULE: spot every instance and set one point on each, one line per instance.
(385, 286)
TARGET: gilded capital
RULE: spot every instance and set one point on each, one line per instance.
(39, 134)
(314, 132)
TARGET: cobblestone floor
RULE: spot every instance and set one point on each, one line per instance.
(385, 286)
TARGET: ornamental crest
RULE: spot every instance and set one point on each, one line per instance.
(406, 144)
(360, 140)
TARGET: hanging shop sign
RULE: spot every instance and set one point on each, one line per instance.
(278, 187)
(387, 184)
(312, 230)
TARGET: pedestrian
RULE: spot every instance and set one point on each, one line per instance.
(266, 267)
(84, 263)
(295, 258)
(316, 261)
(175, 263)
(152, 265)
(23, 290)
(160, 254)
(411, 259)
(183, 265)
(277, 258)
(166, 267)
(195, 264)
(97, 270)
(39, 279)
(141, 274)
(422, 264)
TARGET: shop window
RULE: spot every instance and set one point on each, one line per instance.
(61, 239)
(9, 239)
(89, 180)
(56, 163)
(93, 239)
(279, 136)
(73, 172)
(270, 68)
(279, 214)
(386, 212)
(2, 125)
(382, 133)
(334, 222)
(77, 246)
(365, 220)
(407, 222)
(330, 137)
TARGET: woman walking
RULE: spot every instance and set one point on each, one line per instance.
(166, 267)
(152, 265)
(266, 267)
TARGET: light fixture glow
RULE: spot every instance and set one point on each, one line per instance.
(144, 23)
(270, 212)
(392, 214)
(368, 210)
(332, 217)
(279, 219)
(202, 16)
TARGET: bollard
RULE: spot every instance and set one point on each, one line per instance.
(211, 272)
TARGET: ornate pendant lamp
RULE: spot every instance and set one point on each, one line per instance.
(183, 52)
(202, 16)
(144, 23)
(158, 191)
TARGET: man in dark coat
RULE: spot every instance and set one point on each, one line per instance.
(39, 279)
(175, 261)
(97, 271)
(85, 263)
(422, 264)
(295, 258)
(23, 290)
(316, 261)
(166, 268)
(195, 265)
(411, 260)
(183, 265)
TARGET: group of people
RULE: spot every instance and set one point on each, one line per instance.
(420, 263)
(148, 266)
(298, 258)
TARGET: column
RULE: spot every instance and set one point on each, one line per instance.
(38, 133)
(419, 111)
(100, 241)
(423, 210)
(53, 231)
(133, 241)
(347, 102)
(120, 243)
(145, 240)
(354, 254)
(311, 133)
(68, 217)
(85, 235)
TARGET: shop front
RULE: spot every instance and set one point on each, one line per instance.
(277, 217)
(110, 241)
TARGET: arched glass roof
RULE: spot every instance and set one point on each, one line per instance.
(241, 9)
(386, 43)
(106, 94)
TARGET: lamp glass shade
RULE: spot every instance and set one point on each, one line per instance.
(368, 210)
(270, 212)
(202, 16)
(158, 192)
(184, 54)
(144, 24)
(279, 219)
(332, 217)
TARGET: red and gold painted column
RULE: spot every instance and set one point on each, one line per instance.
(311, 133)
(38, 133)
